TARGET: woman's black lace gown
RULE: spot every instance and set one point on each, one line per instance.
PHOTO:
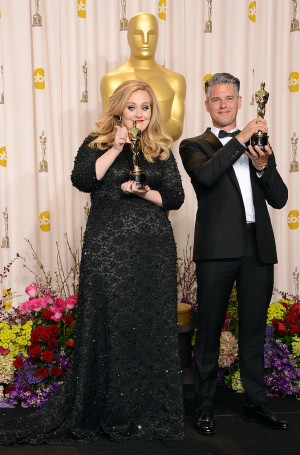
(126, 380)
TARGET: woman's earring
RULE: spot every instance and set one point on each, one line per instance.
(120, 118)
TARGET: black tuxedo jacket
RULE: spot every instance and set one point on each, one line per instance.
(220, 229)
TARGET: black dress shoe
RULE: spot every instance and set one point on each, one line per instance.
(205, 422)
(260, 413)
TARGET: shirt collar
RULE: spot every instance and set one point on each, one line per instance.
(216, 130)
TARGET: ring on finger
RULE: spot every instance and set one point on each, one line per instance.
(257, 121)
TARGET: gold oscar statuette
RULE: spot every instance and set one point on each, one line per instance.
(208, 23)
(169, 87)
(84, 95)
(123, 20)
(37, 18)
(295, 22)
(296, 281)
(261, 97)
(294, 165)
(43, 167)
(136, 174)
(5, 239)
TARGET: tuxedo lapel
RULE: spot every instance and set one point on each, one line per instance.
(212, 140)
(216, 145)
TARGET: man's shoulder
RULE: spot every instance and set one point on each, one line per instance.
(197, 139)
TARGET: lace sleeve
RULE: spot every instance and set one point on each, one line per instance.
(170, 187)
(83, 176)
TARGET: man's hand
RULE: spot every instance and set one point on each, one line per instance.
(258, 157)
(258, 124)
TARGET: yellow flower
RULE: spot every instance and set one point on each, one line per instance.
(7, 304)
(276, 311)
(6, 293)
(7, 298)
(16, 337)
(296, 346)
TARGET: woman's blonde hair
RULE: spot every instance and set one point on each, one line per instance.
(154, 140)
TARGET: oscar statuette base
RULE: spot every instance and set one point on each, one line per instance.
(260, 139)
(139, 177)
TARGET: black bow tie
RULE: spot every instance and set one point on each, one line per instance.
(223, 133)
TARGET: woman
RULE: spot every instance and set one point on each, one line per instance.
(126, 381)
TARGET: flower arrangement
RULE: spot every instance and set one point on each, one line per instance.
(41, 350)
(281, 351)
(282, 341)
(282, 347)
(37, 339)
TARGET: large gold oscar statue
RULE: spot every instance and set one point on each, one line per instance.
(169, 87)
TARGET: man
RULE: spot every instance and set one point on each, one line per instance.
(234, 242)
(169, 87)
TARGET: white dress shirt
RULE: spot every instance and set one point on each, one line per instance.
(242, 172)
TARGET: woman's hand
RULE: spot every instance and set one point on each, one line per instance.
(130, 187)
(120, 138)
(144, 193)
(104, 162)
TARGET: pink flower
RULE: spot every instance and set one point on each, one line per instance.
(24, 307)
(59, 305)
(31, 290)
(35, 305)
(71, 302)
(56, 313)
(48, 300)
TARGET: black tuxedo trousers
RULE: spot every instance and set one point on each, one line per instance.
(254, 281)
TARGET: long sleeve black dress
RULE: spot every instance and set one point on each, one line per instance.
(126, 380)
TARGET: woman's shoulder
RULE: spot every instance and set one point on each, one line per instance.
(91, 136)
(89, 139)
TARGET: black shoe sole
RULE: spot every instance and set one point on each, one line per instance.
(264, 425)
(205, 433)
